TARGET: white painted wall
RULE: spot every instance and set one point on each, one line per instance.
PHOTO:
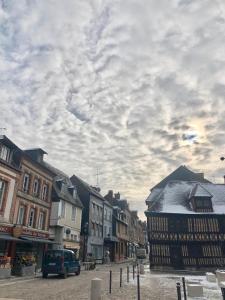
(11, 188)
(66, 222)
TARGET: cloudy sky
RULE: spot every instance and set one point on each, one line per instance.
(130, 88)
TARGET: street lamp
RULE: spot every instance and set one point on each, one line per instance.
(85, 240)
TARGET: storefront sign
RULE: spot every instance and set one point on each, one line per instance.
(6, 229)
(38, 234)
(17, 231)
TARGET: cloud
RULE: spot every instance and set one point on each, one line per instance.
(115, 85)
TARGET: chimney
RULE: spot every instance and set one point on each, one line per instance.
(117, 196)
(59, 183)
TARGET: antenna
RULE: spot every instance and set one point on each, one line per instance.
(97, 177)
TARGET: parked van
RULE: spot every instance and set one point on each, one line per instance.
(141, 253)
(60, 262)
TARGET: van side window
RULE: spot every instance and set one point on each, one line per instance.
(73, 257)
(67, 256)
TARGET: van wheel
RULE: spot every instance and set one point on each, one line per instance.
(78, 272)
(44, 275)
(65, 274)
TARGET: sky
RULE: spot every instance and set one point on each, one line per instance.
(127, 89)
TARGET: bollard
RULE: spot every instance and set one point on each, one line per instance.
(184, 288)
(121, 274)
(138, 287)
(142, 269)
(96, 289)
(110, 281)
(178, 291)
(128, 271)
(133, 271)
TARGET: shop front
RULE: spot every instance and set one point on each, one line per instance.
(22, 249)
(6, 259)
(74, 246)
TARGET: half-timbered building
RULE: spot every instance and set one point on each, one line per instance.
(186, 225)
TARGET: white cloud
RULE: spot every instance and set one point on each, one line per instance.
(115, 85)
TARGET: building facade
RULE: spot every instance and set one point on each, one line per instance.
(186, 225)
(9, 179)
(66, 213)
(33, 205)
(92, 220)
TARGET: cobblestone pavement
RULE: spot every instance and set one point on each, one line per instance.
(153, 286)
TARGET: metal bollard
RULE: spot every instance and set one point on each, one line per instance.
(121, 276)
(223, 293)
(138, 287)
(128, 274)
(184, 288)
(133, 271)
(110, 281)
(96, 289)
(178, 291)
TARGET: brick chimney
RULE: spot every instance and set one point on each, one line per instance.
(117, 196)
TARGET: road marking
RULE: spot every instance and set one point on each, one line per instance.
(15, 282)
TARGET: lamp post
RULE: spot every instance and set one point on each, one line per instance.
(85, 240)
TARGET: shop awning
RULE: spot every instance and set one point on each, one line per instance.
(8, 237)
(37, 240)
(111, 239)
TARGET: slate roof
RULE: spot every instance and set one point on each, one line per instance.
(63, 193)
(175, 197)
(78, 181)
(181, 173)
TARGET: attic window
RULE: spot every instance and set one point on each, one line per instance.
(4, 153)
(203, 204)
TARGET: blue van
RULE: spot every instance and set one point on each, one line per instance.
(60, 262)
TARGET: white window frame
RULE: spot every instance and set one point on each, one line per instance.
(36, 186)
(44, 192)
(74, 212)
(31, 221)
(21, 213)
(26, 182)
(2, 192)
(41, 220)
(4, 153)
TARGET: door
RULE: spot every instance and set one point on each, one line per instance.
(176, 257)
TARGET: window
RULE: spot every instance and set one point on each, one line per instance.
(31, 218)
(92, 228)
(4, 153)
(44, 192)
(26, 181)
(36, 187)
(2, 191)
(73, 217)
(41, 221)
(203, 203)
(105, 231)
(21, 212)
(62, 215)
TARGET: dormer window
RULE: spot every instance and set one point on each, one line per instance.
(201, 199)
(202, 204)
(4, 153)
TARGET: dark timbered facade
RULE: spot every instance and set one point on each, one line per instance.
(186, 225)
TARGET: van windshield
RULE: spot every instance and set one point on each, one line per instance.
(52, 256)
